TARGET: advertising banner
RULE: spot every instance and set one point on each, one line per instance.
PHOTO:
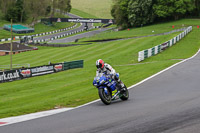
(9, 76)
(37, 71)
(79, 20)
(25, 73)
(58, 67)
(42, 70)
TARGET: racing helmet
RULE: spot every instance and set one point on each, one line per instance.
(99, 63)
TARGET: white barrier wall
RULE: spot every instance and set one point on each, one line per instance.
(142, 55)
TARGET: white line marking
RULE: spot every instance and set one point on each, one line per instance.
(17, 119)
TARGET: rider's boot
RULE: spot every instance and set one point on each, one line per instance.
(120, 85)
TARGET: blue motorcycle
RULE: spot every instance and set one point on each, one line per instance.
(109, 90)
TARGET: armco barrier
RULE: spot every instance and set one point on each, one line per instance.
(22, 73)
(142, 55)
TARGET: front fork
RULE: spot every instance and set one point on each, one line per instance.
(106, 90)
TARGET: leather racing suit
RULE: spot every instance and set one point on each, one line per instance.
(108, 70)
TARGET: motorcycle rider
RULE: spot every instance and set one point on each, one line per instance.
(108, 70)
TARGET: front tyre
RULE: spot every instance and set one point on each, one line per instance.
(105, 98)
(124, 94)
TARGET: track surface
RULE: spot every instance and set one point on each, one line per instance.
(167, 103)
(79, 36)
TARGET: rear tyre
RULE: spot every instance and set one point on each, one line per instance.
(124, 94)
(105, 98)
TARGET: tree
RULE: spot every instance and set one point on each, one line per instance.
(140, 12)
(120, 13)
(11, 14)
(68, 6)
(5, 5)
(48, 10)
(16, 12)
(174, 8)
(196, 11)
(197, 4)
(61, 5)
(37, 8)
(20, 7)
(54, 6)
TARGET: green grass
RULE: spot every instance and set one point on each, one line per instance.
(82, 13)
(100, 9)
(74, 87)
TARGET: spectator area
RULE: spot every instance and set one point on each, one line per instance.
(19, 29)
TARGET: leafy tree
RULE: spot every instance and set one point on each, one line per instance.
(21, 14)
(140, 12)
(197, 4)
(120, 13)
(64, 5)
(48, 10)
(61, 5)
(68, 6)
(16, 12)
(11, 14)
(5, 5)
(37, 8)
(196, 11)
(174, 8)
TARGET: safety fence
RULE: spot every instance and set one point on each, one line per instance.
(142, 55)
(41, 34)
(23, 73)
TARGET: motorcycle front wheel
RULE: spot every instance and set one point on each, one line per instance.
(105, 98)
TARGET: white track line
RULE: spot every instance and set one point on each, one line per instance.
(17, 119)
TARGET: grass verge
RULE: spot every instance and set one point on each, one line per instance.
(100, 9)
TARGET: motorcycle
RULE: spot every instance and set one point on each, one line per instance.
(109, 90)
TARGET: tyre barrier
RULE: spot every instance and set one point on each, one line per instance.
(142, 55)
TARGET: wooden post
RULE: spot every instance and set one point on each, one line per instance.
(11, 47)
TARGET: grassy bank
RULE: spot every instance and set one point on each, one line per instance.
(74, 87)
(145, 30)
(100, 9)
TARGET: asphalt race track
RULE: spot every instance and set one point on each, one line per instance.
(167, 103)
(79, 36)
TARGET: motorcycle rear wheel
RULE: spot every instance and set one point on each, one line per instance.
(105, 98)
(124, 94)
